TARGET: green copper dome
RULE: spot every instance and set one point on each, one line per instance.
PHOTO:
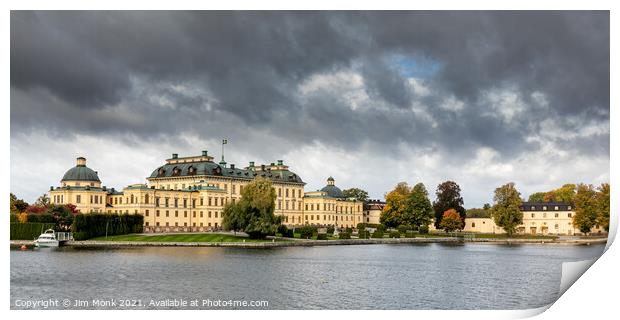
(332, 190)
(81, 172)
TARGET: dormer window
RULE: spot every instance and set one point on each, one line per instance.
(161, 172)
(176, 171)
(533, 208)
(191, 170)
(557, 208)
(544, 207)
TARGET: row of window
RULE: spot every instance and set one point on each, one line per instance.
(176, 224)
(332, 207)
(556, 215)
(545, 208)
(330, 218)
(95, 199)
(215, 214)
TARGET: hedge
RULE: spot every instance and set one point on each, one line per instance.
(363, 234)
(321, 236)
(28, 230)
(307, 231)
(409, 234)
(423, 229)
(91, 225)
(394, 234)
(344, 235)
(377, 234)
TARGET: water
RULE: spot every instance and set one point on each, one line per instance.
(420, 276)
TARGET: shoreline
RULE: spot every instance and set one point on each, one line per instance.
(313, 243)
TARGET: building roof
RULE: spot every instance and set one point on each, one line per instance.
(210, 168)
(81, 173)
(550, 206)
(333, 191)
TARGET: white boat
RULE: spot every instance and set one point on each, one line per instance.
(47, 239)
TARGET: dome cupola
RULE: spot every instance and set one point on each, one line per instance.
(81, 172)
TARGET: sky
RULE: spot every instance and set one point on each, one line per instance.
(370, 98)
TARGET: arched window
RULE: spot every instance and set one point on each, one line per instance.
(161, 172)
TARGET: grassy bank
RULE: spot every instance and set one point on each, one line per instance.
(189, 237)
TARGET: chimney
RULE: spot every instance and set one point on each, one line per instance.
(251, 164)
(51, 188)
(280, 162)
(262, 167)
(81, 162)
(232, 166)
(205, 153)
(175, 155)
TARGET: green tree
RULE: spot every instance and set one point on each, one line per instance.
(506, 210)
(448, 197)
(586, 215)
(602, 201)
(450, 221)
(18, 205)
(566, 193)
(537, 197)
(358, 194)
(62, 216)
(479, 213)
(254, 212)
(486, 207)
(419, 211)
(395, 206)
(43, 201)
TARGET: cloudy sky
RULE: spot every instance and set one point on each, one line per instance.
(370, 98)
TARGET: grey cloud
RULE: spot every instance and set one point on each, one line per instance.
(114, 74)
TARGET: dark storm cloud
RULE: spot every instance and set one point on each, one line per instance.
(115, 73)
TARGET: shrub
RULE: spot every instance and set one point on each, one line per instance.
(363, 234)
(289, 234)
(361, 226)
(381, 228)
(348, 230)
(28, 230)
(43, 218)
(423, 229)
(409, 234)
(344, 235)
(377, 234)
(403, 228)
(394, 234)
(282, 229)
(321, 236)
(307, 231)
(330, 229)
(14, 218)
(86, 226)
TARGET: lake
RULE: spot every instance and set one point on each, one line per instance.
(412, 276)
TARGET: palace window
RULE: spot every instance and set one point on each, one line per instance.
(473, 224)
(78, 198)
(146, 198)
(287, 192)
(194, 214)
(185, 214)
(146, 213)
(201, 201)
(532, 215)
(279, 192)
(557, 215)
(544, 207)
(157, 213)
(176, 202)
(184, 203)
(215, 214)
(544, 214)
(209, 214)
(201, 214)
(176, 213)
(569, 207)
(557, 208)
(570, 215)
(167, 213)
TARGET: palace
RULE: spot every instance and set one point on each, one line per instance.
(189, 194)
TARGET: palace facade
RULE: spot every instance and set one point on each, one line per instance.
(189, 194)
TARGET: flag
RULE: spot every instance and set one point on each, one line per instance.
(225, 141)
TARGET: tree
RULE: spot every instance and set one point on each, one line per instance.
(395, 206)
(602, 201)
(486, 207)
(254, 213)
(448, 197)
(450, 221)
(43, 201)
(62, 215)
(550, 196)
(18, 205)
(419, 211)
(566, 193)
(479, 213)
(585, 217)
(358, 194)
(537, 197)
(506, 210)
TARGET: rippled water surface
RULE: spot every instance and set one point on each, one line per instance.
(428, 276)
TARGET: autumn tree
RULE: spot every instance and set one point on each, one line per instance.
(419, 210)
(17, 205)
(602, 201)
(358, 194)
(448, 197)
(450, 221)
(537, 197)
(395, 206)
(586, 206)
(506, 210)
(254, 212)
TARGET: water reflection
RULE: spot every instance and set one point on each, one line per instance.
(408, 276)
